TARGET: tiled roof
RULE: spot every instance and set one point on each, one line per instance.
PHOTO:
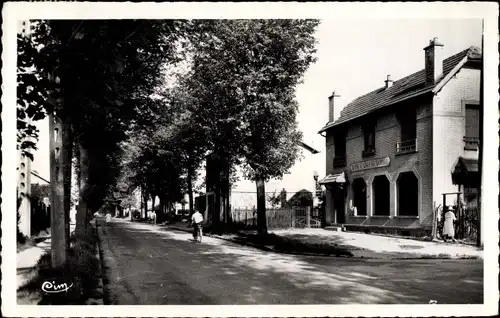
(470, 164)
(465, 171)
(407, 87)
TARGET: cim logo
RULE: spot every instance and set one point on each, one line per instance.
(54, 287)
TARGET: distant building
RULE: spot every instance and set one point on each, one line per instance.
(391, 152)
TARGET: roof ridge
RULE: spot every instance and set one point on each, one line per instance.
(380, 96)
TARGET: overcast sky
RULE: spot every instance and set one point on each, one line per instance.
(354, 58)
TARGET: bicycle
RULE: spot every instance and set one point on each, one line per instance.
(199, 233)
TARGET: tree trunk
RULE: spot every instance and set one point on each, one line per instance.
(145, 205)
(82, 213)
(141, 195)
(58, 215)
(227, 191)
(190, 187)
(261, 207)
(153, 199)
(160, 210)
(214, 172)
(169, 210)
(66, 155)
(164, 205)
(217, 198)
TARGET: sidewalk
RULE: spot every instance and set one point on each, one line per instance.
(27, 258)
(366, 245)
(360, 245)
(26, 261)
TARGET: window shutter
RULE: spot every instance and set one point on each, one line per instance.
(471, 121)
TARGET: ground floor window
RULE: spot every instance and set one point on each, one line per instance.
(381, 196)
(407, 194)
(359, 195)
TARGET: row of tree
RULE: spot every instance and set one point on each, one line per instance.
(94, 80)
(126, 121)
(235, 104)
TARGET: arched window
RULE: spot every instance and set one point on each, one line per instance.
(381, 196)
(359, 195)
(407, 194)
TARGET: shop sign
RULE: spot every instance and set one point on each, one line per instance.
(370, 164)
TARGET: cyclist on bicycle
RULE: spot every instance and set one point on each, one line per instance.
(196, 220)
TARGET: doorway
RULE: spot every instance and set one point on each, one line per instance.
(339, 205)
(381, 196)
(407, 194)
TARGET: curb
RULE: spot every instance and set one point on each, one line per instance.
(98, 298)
(271, 249)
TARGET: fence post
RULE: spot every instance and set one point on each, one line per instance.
(308, 216)
(292, 212)
(434, 221)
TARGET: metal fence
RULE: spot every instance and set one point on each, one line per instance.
(278, 218)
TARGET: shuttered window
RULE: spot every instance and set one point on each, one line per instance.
(340, 144)
(472, 121)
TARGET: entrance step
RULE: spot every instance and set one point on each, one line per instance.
(335, 227)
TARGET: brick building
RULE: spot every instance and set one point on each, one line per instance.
(391, 152)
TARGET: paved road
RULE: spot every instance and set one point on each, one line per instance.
(151, 265)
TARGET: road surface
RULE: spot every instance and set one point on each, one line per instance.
(152, 265)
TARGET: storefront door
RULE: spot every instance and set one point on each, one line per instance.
(339, 205)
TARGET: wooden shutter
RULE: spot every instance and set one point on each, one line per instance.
(472, 121)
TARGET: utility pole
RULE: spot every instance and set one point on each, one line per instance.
(58, 215)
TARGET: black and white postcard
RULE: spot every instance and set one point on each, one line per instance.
(249, 159)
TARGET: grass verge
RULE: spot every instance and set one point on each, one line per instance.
(277, 242)
(290, 245)
(81, 271)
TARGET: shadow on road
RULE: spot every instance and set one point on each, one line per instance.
(219, 272)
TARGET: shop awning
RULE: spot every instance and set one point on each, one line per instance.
(465, 172)
(333, 178)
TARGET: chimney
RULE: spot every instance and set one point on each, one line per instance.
(388, 82)
(331, 108)
(433, 62)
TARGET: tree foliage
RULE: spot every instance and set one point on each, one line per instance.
(33, 86)
(244, 74)
(99, 76)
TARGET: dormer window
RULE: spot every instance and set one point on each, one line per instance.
(369, 138)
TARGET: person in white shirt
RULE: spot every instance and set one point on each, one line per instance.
(448, 226)
(153, 217)
(196, 220)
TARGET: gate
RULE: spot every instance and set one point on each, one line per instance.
(290, 217)
(466, 214)
(303, 218)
